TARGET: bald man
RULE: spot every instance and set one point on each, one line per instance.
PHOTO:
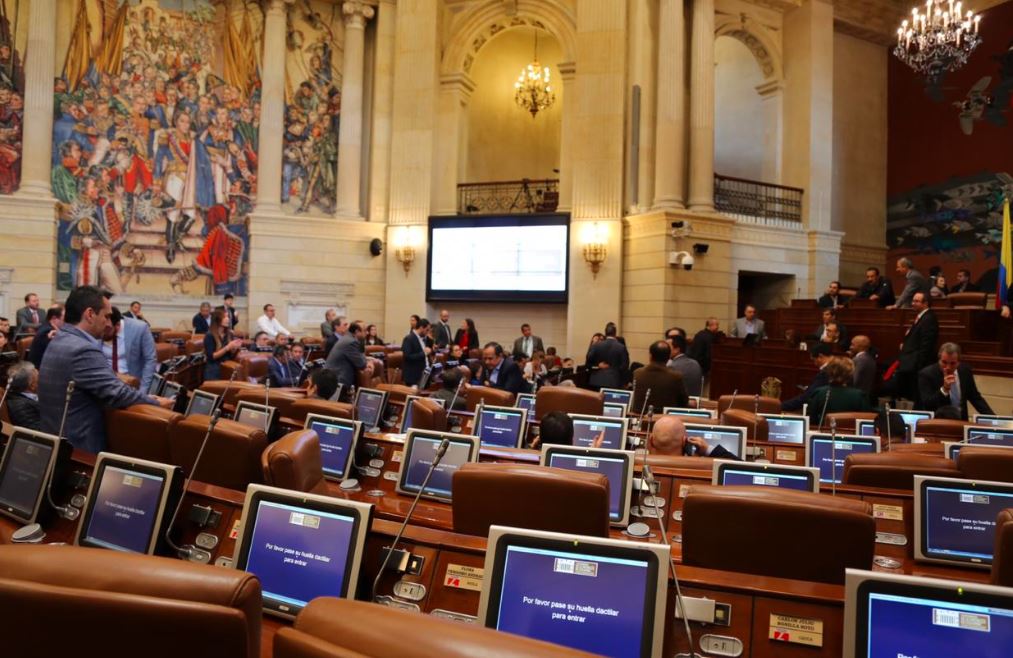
(865, 365)
(669, 438)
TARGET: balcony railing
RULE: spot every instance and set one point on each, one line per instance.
(758, 202)
(528, 195)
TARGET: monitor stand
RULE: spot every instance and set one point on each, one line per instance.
(29, 534)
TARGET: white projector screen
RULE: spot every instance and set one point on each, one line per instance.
(503, 259)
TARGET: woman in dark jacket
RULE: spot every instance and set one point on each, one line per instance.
(219, 345)
(467, 337)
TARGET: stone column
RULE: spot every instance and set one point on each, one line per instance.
(350, 139)
(567, 74)
(701, 119)
(37, 138)
(272, 109)
(670, 133)
(455, 91)
(383, 101)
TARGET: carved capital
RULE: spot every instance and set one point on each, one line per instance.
(356, 13)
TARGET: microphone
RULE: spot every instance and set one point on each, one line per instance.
(889, 437)
(68, 512)
(351, 394)
(456, 427)
(643, 407)
(833, 457)
(186, 552)
(731, 405)
(267, 404)
(440, 452)
(650, 421)
(221, 400)
(823, 412)
(756, 422)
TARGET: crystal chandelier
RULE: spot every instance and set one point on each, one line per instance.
(939, 40)
(533, 93)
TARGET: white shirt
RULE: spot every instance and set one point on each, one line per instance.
(271, 326)
(121, 351)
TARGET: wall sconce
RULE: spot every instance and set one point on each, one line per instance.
(405, 240)
(595, 239)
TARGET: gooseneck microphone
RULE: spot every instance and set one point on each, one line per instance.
(833, 456)
(889, 437)
(186, 552)
(440, 452)
(643, 407)
(823, 412)
(351, 394)
(68, 512)
(221, 400)
(267, 405)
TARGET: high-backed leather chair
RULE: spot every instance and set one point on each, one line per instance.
(847, 421)
(526, 496)
(756, 426)
(194, 345)
(894, 470)
(364, 379)
(231, 392)
(492, 396)
(340, 628)
(1002, 556)
(299, 409)
(967, 299)
(806, 536)
(568, 399)
(763, 405)
(394, 362)
(175, 336)
(282, 400)
(253, 366)
(427, 415)
(984, 463)
(231, 458)
(941, 429)
(23, 345)
(121, 604)
(142, 431)
(295, 462)
(678, 461)
(165, 351)
(396, 392)
(375, 349)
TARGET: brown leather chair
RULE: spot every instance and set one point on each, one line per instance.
(1002, 557)
(967, 299)
(984, 463)
(231, 458)
(492, 396)
(299, 409)
(364, 379)
(194, 345)
(294, 462)
(847, 421)
(526, 496)
(142, 431)
(894, 470)
(427, 415)
(23, 345)
(396, 392)
(175, 336)
(568, 399)
(340, 628)
(806, 536)
(282, 400)
(375, 349)
(231, 392)
(941, 429)
(253, 366)
(158, 607)
(165, 351)
(763, 405)
(756, 426)
(394, 363)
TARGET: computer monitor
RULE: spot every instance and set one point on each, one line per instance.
(202, 403)
(952, 449)
(171, 390)
(822, 453)
(603, 596)
(130, 503)
(868, 428)
(895, 615)
(587, 429)
(955, 519)
(419, 452)
(911, 418)
(616, 465)
(618, 395)
(500, 427)
(786, 429)
(690, 411)
(301, 546)
(780, 476)
(988, 435)
(255, 415)
(615, 410)
(406, 415)
(990, 420)
(155, 387)
(732, 439)
(338, 437)
(369, 406)
(28, 463)
(526, 401)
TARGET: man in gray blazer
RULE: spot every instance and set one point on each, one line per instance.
(527, 344)
(865, 365)
(692, 375)
(30, 317)
(915, 282)
(135, 348)
(326, 330)
(748, 324)
(75, 354)
(348, 356)
(443, 335)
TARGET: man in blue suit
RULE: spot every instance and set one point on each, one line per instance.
(135, 348)
(75, 354)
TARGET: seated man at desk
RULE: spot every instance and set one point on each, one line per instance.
(556, 428)
(448, 393)
(876, 288)
(948, 382)
(323, 384)
(669, 438)
(821, 355)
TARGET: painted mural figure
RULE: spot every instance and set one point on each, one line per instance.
(12, 88)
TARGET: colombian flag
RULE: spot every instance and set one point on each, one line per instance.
(1005, 259)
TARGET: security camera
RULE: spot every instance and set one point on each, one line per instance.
(683, 258)
(688, 262)
(678, 224)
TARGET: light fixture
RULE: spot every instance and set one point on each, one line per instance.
(939, 40)
(532, 91)
(595, 239)
(405, 240)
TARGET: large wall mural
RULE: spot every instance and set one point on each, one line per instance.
(12, 90)
(312, 108)
(155, 145)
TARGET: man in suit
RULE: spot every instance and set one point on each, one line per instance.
(832, 298)
(416, 353)
(964, 283)
(527, 344)
(822, 333)
(22, 397)
(442, 334)
(323, 384)
(130, 349)
(668, 437)
(821, 354)
(28, 318)
(202, 321)
(916, 283)
(608, 361)
(748, 324)
(499, 370)
(348, 356)
(666, 385)
(877, 288)
(448, 393)
(917, 351)
(326, 330)
(230, 307)
(54, 320)
(281, 370)
(135, 313)
(864, 377)
(703, 341)
(75, 354)
(692, 375)
(948, 382)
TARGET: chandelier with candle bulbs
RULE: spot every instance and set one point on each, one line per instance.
(938, 40)
(533, 91)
